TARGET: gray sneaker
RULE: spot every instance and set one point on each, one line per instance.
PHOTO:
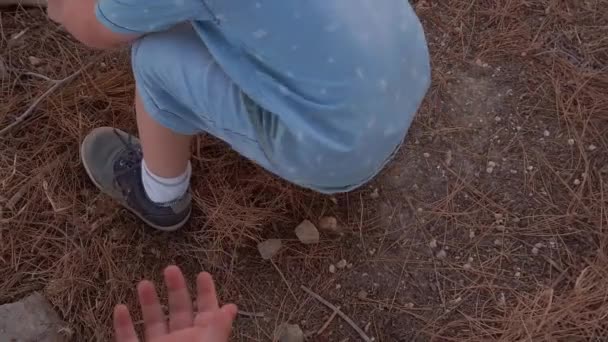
(112, 158)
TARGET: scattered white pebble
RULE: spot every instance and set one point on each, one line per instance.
(577, 182)
(516, 219)
(471, 234)
(502, 301)
(571, 142)
(442, 254)
(539, 245)
(409, 305)
(513, 172)
(372, 251)
(341, 264)
(530, 168)
(338, 286)
(592, 147)
(491, 164)
(467, 266)
(332, 268)
(498, 242)
(517, 274)
(470, 259)
(433, 243)
(426, 155)
(490, 170)
(546, 133)
(375, 194)
(535, 251)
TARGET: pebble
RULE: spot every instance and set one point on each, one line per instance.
(577, 182)
(375, 194)
(34, 61)
(467, 266)
(592, 147)
(433, 243)
(471, 234)
(517, 274)
(442, 254)
(372, 251)
(329, 223)
(530, 168)
(289, 333)
(571, 142)
(498, 242)
(362, 294)
(307, 233)
(338, 286)
(535, 251)
(269, 248)
(426, 155)
(546, 133)
(341, 264)
(332, 268)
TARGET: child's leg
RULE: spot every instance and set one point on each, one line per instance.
(166, 153)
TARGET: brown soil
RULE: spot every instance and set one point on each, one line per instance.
(489, 225)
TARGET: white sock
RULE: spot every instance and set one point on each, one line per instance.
(164, 190)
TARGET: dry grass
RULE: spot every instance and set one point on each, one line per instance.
(59, 235)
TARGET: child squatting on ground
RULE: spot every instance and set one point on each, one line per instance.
(318, 92)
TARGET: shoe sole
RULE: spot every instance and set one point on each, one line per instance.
(125, 205)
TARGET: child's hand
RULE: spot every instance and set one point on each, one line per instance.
(210, 324)
(55, 9)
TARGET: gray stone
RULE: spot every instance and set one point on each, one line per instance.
(307, 233)
(289, 333)
(269, 248)
(30, 319)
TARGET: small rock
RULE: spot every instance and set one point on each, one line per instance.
(535, 251)
(498, 242)
(426, 155)
(471, 234)
(341, 264)
(516, 220)
(433, 243)
(502, 301)
(349, 266)
(338, 286)
(448, 158)
(571, 142)
(31, 319)
(546, 133)
(467, 266)
(329, 223)
(409, 305)
(289, 333)
(491, 164)
(269, 248)
(577, 182)
(530, 168)
(442, 254)
(333, 200)
(470, 259)
(372, 251)
(362, 294)
(34, 61)
(490, 170)
(307, 233)
(332, 269)
(375, 194)
(517, 274)
(591, 147)
(539, 245)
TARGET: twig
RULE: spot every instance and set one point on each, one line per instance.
(37, 75)
(339, 312)
(251, 314)
(285, 280)
(56, 85)
(331, 319)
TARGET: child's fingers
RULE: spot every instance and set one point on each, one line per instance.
(219, 326)
(123, 325)
(154, 319)
(206, 296)
(180, 304)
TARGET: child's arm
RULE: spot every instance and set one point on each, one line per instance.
(110, 23)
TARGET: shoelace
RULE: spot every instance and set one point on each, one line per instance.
(133, 157)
